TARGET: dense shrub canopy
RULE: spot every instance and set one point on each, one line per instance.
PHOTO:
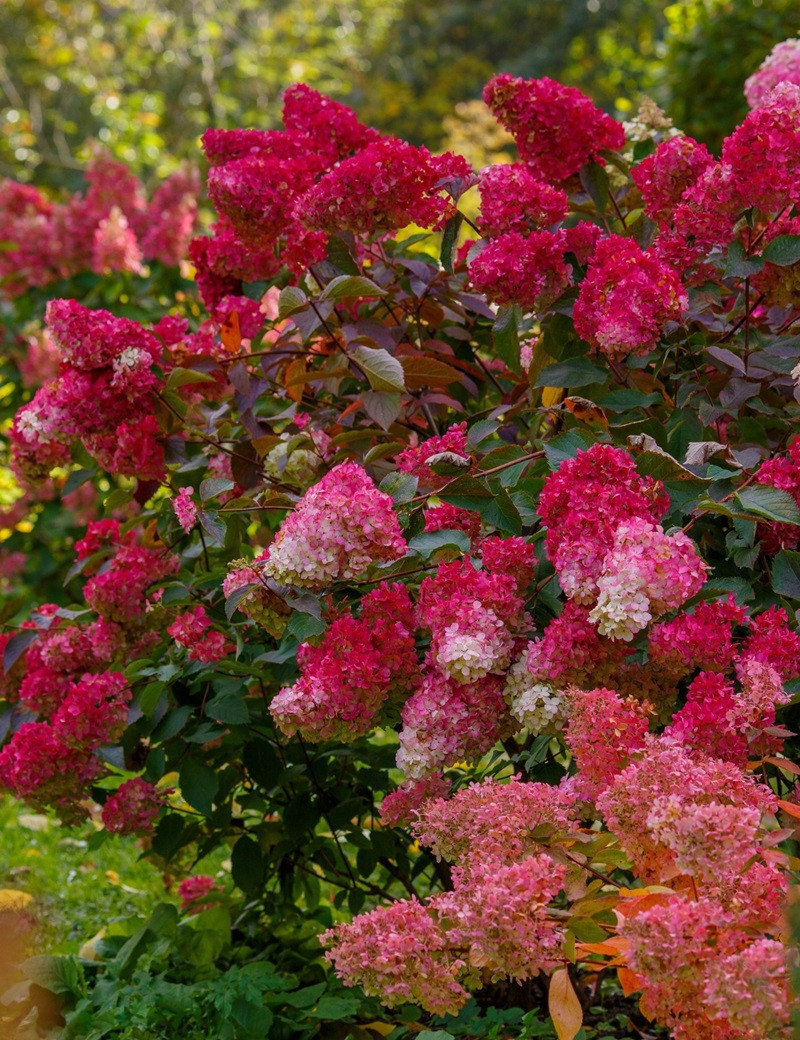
(446, 563)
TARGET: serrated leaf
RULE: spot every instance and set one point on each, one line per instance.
(401, 487)
(505, 336)
(786, 573)
(383, 371)
(382, 407)
(16, 647)
(348, 286)
(213, 486)
(185, 376)
(577, 371)
(199, 785)
(564, 1007)
(428, 542)
(783, 250)
(340, 256)
(566, 446)
(450, 241)
(769, 502)
(213, 526)
(228, 709)
(291, 300)
(421, 373)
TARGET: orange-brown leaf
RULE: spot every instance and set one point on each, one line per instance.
(629, 981)
(230, 333)
(564, 1007)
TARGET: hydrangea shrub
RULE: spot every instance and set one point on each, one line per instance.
(484, 530)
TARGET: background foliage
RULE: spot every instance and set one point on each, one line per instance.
(146, 79)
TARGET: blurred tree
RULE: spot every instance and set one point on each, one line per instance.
(712, 46)
(145, 78)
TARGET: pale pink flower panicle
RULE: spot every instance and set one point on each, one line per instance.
(340, 526)
(400, 954)
(781, 65)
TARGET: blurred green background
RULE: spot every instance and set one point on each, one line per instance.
(146, 78)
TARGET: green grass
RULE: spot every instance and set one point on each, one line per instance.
(75, 889)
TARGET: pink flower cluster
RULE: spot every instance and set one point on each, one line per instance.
(526, 269)
(110, 228)
(341, 526)
(603, 735)
(626, 299)
(781, 65)
(473, 616)
(358, 666)
(668, 776)
(195, 890)
(702, 975)
(446, 721)
(133, 808)
(184, 508)
(664, 176)
(384, 187)
(513, 199)
(557, 129)
(65, 674)
(279, 192)
(413, 459)
(109, 362)
(193, 629)
(52, 764)
(493, 924)
(583, 503)
(645, 574)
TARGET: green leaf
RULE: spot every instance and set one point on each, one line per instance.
(334, 1008)
(624, 400)
(306, 997)
(77, 479)
(505, 336)
(770, 503)
(247, 865)
(383, 371)
(347, 286)
(400, 486)
(228, 709)
(213, 486)
(427, 543)
(783, 250)
(450, 241)
(291, 300)
(340, 256)
(304, 626)
(577, 371)
(595, 183)
(185, 376)
(199, 785)
(786, 573)
(495, 507)
(213, 526)
(566, 446)
(480, 430)
(382, 407)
